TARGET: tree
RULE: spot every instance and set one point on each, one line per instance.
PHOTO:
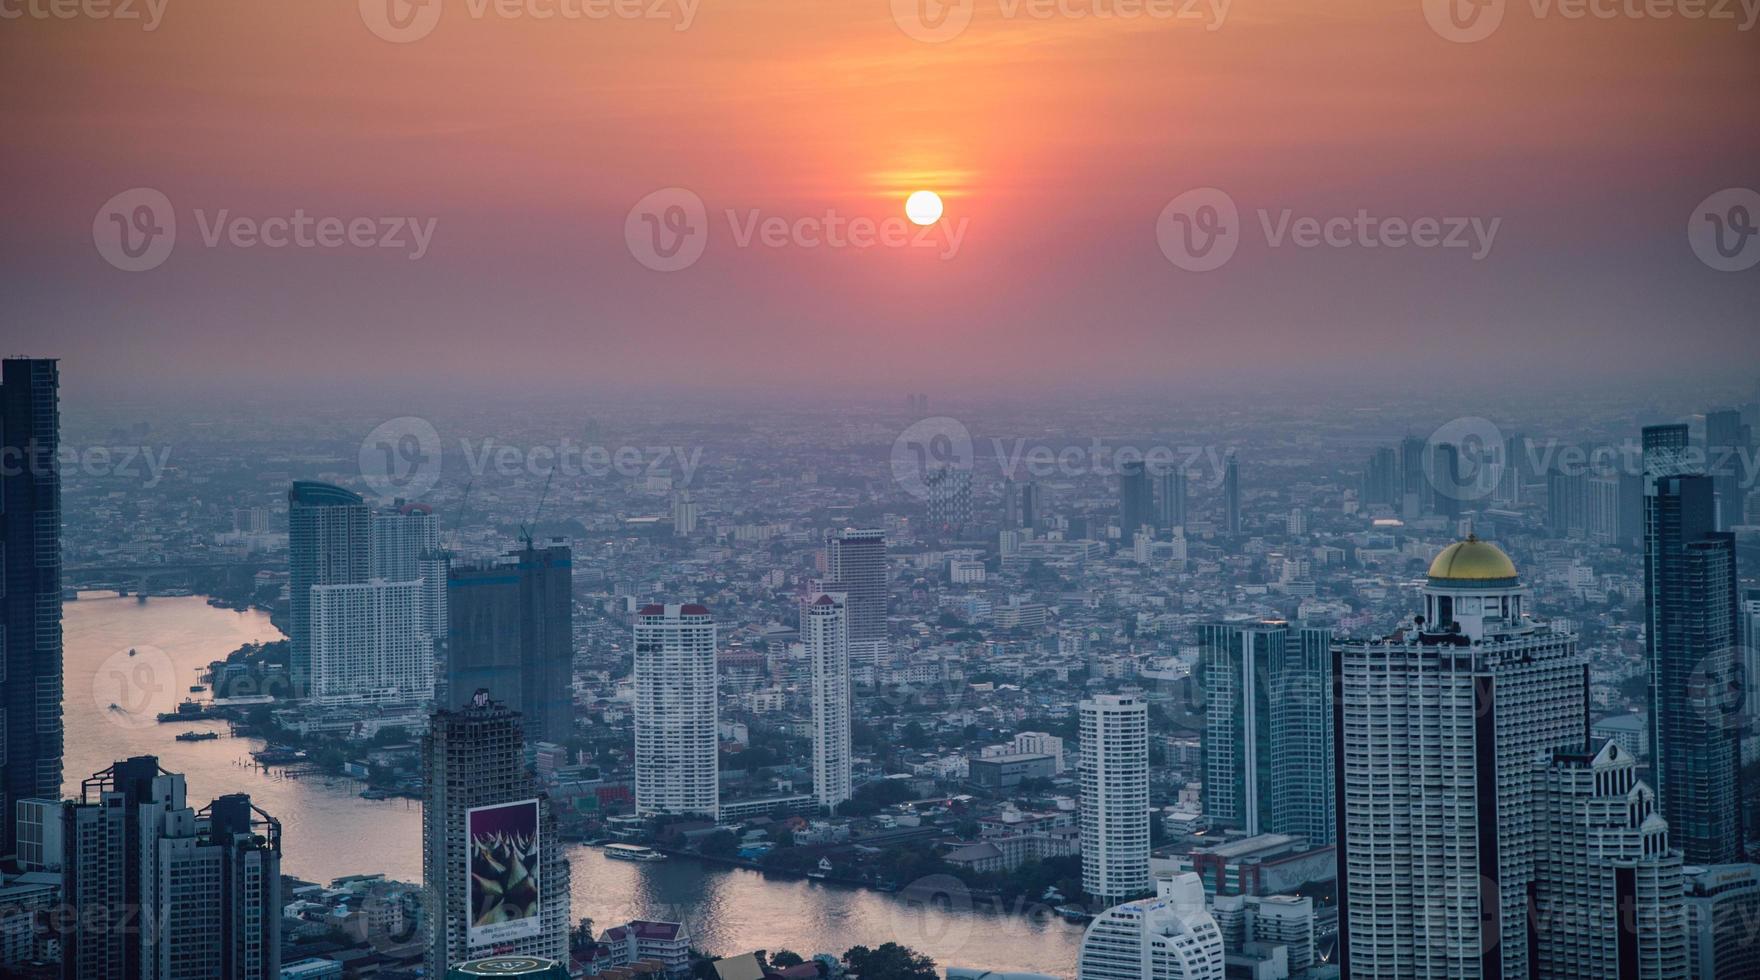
(782, 959)
(890, 962)
(720, 844)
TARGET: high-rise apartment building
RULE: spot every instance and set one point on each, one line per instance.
(329, 542)
(1169, 937)
(1607, 888)
(1723, 904)
(1381, 479)
(950, 499)
(676, 711)
(1115, 797)
(30, 587)
(493, 874)
(825, 633)
(1020, 505)
(855, 564)
(511, 632)
(370, 643)
(1727, 442)
(1567, 503)
(1695, 694)
(1267, 735)
(157, 890)
(1439, 731)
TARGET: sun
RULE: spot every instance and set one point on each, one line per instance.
(923, 207)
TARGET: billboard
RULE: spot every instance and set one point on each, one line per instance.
(502, 873)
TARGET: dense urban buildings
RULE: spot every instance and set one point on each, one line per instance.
(1694, 664)
(30, 586)
(1115, 797)
(157, 889)
(493, 874)
(676, 759)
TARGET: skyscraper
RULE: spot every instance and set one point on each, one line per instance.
(155, 888)
(1267, 738)
(1170, 501)
(1115, 797)
(329, 542)
(493, 874)
(1231, 499)
(855, 564)
(1169, 937)
(511, 629)
(1723, 903)
(1448, 485)
(1413, 477)
(676, 711)
(1727, 439)
(1695, 690)
(30, 587)
(1607, 888)
(825, 632)
(1135, 499)
(1020, 505)
(1381, 479)
(1440, 729)
(1567, 503)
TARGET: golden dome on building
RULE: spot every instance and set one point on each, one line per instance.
(1473, 560)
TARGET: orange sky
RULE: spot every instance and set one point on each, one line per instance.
(1058, 140)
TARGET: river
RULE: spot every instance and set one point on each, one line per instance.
(329, 831)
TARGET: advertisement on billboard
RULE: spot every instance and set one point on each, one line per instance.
(503, 872)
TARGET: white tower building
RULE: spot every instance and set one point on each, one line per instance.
(1441, 732)
(1607, 890)
(825, 634)
(1168, 937)
(370, 643)
(677, 768)
(1115, 797)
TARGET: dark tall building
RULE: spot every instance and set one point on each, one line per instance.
(156, 888)
(1381, 479)
(1727, 440)
(329, 542)
(1412, 477)
(1695, 688)
(30, 588)
(1021, 501)
(1446, 486)
(1135, 501)
(511, 629)
(1170, 503)
(1231, 499)
(1567, 503)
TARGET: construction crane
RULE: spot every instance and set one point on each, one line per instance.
(527, 530)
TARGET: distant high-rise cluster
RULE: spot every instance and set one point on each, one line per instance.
(677, 765)
(366, 597)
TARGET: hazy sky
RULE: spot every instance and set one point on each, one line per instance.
(523, 143)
